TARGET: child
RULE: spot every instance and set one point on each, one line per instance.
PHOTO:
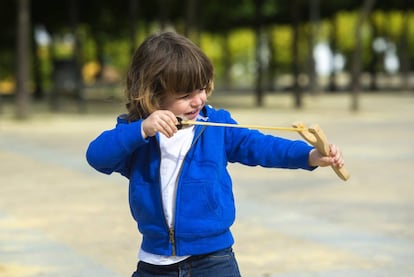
(180, 192)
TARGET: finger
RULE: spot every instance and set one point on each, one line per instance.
(332, 150)
(168, 131)
(326, 161)
(339, 160)
(169, 118)
(171, 125)
(168, 128)
(335, 154)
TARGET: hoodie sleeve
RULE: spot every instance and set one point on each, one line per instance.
(111, 151)
(251, 147)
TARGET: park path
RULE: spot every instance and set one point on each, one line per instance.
(58, 217)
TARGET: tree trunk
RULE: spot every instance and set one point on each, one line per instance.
(38, 92)
(227, 62)
(314, 19)
(356, 59)
(271, 71)
(297, 91)
(73, 14)
(133, 16)
(259, 60)
(77, 53)
(333, 45)
(403, 49)
(191, 25)
(23, 50)
(100, 55)
(373, 66)
(163, 15)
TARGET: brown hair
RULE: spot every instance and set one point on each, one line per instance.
(165, 63)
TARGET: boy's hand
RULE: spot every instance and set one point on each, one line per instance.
(162, 121)
(334, 158)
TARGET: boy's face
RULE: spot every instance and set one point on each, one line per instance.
(186, 105)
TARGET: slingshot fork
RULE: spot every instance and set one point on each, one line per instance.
(316, 137)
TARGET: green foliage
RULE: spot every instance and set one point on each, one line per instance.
(242, 43)
(410, 34)
(394, 24)
(212, 46)
(6, 64)
(282, 39)
(117, 54)
(345, 32)
(106, 23)
(345, 28)
(88, 45)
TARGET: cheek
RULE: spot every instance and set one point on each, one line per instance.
(171, 104)
(178, 107)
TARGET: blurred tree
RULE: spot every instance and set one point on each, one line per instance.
(397, 30)
(333, 43)
(8, 27)
(404, 47)
(191, 27)
(23, 50)
(330, 10)
(356, 61)
(373, 65)
(115, 35)
(296, 88)
(221, 17)
(133, 22)
(314, 11)
(7, 41)
(259, 52)
(164, 8)
(38, 92)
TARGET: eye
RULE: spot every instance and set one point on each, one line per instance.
(183, 96)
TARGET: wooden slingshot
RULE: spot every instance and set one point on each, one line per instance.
(314, 135)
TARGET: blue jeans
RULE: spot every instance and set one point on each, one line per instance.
(218, 264)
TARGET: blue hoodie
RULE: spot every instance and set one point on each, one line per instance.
(204, 209)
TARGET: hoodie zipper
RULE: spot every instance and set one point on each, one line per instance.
(171, 234)
(171, 230)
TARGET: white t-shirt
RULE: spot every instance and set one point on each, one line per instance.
(173, 152)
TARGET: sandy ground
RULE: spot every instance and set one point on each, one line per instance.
(58, 217)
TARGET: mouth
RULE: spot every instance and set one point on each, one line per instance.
(191, 115)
